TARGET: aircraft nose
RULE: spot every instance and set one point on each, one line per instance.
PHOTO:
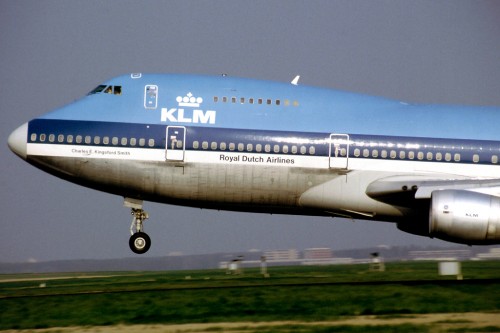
(18, 141)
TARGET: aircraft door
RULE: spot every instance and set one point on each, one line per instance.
(175, 143)
(150, 96)
(339, 151)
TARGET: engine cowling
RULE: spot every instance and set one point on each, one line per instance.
(465, 217)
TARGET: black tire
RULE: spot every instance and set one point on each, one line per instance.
(139, 242)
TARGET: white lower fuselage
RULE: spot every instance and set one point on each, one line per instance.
(275, 172)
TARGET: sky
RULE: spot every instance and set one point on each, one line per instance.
(54, 52)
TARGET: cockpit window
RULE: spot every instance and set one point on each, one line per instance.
(97, 90)
(115, 90)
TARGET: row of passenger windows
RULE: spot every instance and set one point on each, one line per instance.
(411, 155)
(250, 147)
(258, 101)
(106, 140)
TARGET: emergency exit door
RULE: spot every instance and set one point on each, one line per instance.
(339, 151)
(175, 143)
(150, 96)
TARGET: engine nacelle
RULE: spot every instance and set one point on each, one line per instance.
(465, 217)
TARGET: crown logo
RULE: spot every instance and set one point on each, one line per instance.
(189, 100)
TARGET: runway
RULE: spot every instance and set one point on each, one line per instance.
(408, 293)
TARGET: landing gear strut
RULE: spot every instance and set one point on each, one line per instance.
(139, 241)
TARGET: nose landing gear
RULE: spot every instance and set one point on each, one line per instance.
(139, 242)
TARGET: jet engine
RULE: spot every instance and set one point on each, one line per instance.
(465, 217)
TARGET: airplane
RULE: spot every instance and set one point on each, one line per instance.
(238, 144)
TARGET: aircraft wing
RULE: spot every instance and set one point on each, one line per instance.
(391, 188)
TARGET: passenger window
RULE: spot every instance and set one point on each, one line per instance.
(124, 141)
(142, 142)
(357, 152)
(258, 147)
(429, 156)
(267, 148)
(456, 157)
(242, 100)
(276, 148)
(439, 156)
(295, 103)
(179, 144)
(269, 102)
(278, 102)
(52, 138)
(241, 147)
(294, 149)
(133, 141)
(384, 154)
(151, 142)
(60, 138)
(216, 99)
(233, 99)
(303, 150)
(196, 145)
(33, 137)
(224, 99)
(447, 157)
(114, 140)
(494, 159)
(97, 140)
(402, 155)
(260, 100)
(232, 146)
(250, 100)
(312, 151)
(366, 153)
(287, 102)
(204, 145)
(420, 155)
(249, 147)
(285, 149)
(213, 145)
(475, 158)
(70, 138)
(375, 153)
(87, 139)
(105, 140)
(78, 138)
(393, 154)
(222, 146)
(411, 155)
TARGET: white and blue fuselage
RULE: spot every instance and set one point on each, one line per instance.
(249, 145)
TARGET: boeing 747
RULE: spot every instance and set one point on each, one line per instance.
(258, 146)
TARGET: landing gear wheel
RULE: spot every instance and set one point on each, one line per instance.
(139, 242)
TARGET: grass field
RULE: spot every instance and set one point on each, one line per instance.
(306, 294)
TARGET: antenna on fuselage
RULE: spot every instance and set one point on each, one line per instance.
(295, 81)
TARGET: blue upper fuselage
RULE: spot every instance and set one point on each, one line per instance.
(226, 102)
